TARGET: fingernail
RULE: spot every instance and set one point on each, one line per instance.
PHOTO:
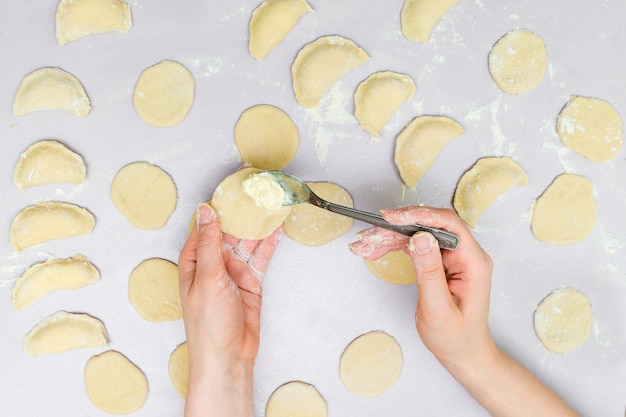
(422, 243)
(206, 214)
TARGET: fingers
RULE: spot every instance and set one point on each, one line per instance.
(210, 263)
(376, 242)
(434, 296)
(187, 263)
(263, 252)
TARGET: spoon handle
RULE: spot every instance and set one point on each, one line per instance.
(446, 239)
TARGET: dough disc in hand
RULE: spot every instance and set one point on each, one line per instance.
(563, 320)
(145, 194)
(590, 127)
(164, 94)
(239, 215)
(153, 290)
(566, 211)
(114, 384)
(371, 364)
(296, 398)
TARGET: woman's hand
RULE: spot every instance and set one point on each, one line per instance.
(220, 288)
(453, 286)
(452, 313)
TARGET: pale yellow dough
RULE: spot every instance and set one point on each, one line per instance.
(591, 127)
(320, 64)
(271, 21)
(394, 267)
(379, 97)
(178, 369)
(76, 19)
(239, 215)
(296, 398)
(164, 94)
(517, 62)
(51, 89)
(48, 221)
(153, 290)
(483, 183)
(563, 320)
(419, 144)
(46, 162)
(54, 274)
(313, 226)
(266, 137)
(566, 212)
(419, 17)
(114, 384)
(63, 331)
(371, 364)
(145, 194)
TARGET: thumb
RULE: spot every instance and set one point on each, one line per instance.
(434, 296)
(210, 262)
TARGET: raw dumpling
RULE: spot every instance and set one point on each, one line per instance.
(320, 64)
(153, 290)
(483, 183)
(54, 274)
(419, 17)
(48, 162)
(271, 21)
(51, 89)
(76, 19)
(296, 398)
(419, 144)
(47, 221)
(65, 331)
(379, 97)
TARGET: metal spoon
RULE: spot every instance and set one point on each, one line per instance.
(296, 192)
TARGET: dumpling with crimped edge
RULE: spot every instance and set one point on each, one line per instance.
(483, 183)
(379, 97)
(419, 17)
(271, 21)
(54, 274)
(320, 64)
(63, 331)
(49, 220)
(420, 143)
(51, 89)
(76, 19)
(47, 162)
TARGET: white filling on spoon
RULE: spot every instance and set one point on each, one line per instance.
(264, 191)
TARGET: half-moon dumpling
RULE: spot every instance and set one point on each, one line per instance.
(76, 19)
(419, 17)
(46, 162)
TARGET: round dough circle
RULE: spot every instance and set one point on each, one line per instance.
(114, 384)
(178, 369)
(266, 137)
(517, 62)
(164, 94)
(296, 398)
(153, 290)
(563, 320)
(566, 211)
(239, 215)
(145, 194)
(371, 364)
(312, 226)
(590, 127)
(394, 267)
